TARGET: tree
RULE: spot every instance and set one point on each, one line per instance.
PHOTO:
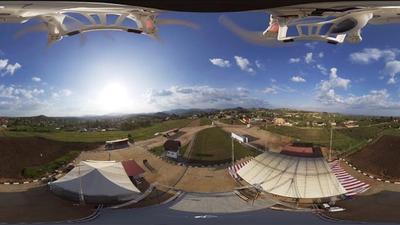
(130, 139)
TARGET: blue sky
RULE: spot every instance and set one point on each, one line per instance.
(205, 68)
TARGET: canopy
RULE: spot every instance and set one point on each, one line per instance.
(96, 181)
(292, 176)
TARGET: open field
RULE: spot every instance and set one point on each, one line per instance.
(32, 152)
(345, 140)
(213, 145)
(76, 136)
(380, 158)
(258, 137)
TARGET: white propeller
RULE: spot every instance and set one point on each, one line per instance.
(255, 37)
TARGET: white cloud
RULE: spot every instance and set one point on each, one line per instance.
(270, 90)
(8, 68)
(308, 58)
(62, 93)
(3, 63)
(202, 97)
(374, 99)
(11, 68)
(294, 60)
(36, 79)
(298, 79)
(260, 65)
(244, 64)
(311, 45)
(220, 62)
(17, 99)
(335, 81)
(392, 68)
(369, 55)
(322, 69)
(275, 89)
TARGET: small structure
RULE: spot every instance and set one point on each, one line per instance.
(132, 169)
(240, 138)
(279, 121)
(115, 144)
(172, 148)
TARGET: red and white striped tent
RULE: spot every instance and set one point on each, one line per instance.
(352, 185)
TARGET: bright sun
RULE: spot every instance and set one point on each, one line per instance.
(113, 98)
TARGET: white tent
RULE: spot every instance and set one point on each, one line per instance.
(292, 176)
(96, 182)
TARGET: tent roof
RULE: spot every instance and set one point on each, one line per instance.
(291, 176)
(98, 178)
(132, 168)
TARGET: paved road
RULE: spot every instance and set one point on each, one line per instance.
(217, 203)
(172, 213)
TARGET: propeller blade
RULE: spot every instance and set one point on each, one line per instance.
(82, 39)
(155, 36)
(177, 22)
(41, 27)
(255, 37)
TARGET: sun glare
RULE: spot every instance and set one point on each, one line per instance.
(113, 98)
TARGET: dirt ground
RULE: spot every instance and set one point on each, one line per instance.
(18, 153)
(206, 180)
(259, 137)
(380, 207)
(380, 158)
(38, 205)
(158, 170)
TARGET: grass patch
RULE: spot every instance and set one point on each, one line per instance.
(344, 140)
(76, 136)
(38, 171)
(215, 145)
(205, 121)
(157, 150)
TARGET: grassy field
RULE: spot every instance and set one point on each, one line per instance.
(205, 121)
(75, 136)
(344, 140)
(214, 145)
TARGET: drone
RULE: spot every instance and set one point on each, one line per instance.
(64, 19)
(333, 23)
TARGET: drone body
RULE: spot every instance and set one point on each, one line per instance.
(332, 22)
(63, 19)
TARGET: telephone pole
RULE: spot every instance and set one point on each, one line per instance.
(330, 145)
(233, 152)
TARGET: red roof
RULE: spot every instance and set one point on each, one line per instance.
(132, 169)
(295, 149)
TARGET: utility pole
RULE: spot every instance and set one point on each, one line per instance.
(330, 145)
(81, 197)
(233, 152)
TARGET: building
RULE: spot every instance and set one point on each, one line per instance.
(172, 148)
(115, 144)
(240, 138)
(96, 182)
(279, 121)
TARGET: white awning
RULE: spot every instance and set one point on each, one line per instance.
(291, 176)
